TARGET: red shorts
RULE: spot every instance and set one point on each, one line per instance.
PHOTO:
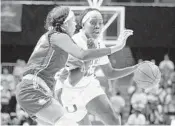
(32, 99)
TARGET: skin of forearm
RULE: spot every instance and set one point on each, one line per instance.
(119, 73)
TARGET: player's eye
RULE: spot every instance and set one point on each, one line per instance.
(93, 23)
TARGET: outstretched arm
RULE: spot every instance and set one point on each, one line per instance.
(67, 44)
(112, 73)
(64, 42)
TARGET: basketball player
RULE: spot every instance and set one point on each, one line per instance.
(81, 90)
(35, 92)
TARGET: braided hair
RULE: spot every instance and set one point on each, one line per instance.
(80, 18)
(56, 18)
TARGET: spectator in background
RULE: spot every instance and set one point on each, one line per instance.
(5, 119)
(153, 61)
(19, 70)
(170, 110)
(7, 80)
(5, 98)
(139, 99)
(161, 94)
(131, 90)
(168, 96)
(154, 111)
(166, 66)
(140, 60)
(171, 82)
(137, 118)
(118, 103)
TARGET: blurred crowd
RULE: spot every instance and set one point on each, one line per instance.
(11, 113)
(155, 107)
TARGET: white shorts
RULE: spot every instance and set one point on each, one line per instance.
(80, 95)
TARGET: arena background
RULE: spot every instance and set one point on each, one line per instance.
(153, 23)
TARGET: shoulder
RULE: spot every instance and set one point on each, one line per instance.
(80, 40)
(77, 38)
(59, 35)
(76, 35)
(61, 38)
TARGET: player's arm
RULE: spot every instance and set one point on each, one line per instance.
(112, 73)
(66, 43)
(105, 64)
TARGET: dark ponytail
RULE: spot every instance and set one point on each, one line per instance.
(56, 18)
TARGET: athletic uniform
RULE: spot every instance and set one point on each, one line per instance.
(77, 97)
(36, 89)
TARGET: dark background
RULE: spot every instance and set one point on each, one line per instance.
(154, 32)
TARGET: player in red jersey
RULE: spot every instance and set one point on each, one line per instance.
(35, 92)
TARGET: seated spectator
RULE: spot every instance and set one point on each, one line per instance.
(171, 82)
(5, 98)
(168, 96)
(12, 103)
(131, 90)
(153, 61)
(118, 103)
(5, 119)
(155, 112)
(166, 66)
(166, 63)
(19, 69)
(140, 60)
(139, 99)
(9, 79)
(170, 107)
(137, 118)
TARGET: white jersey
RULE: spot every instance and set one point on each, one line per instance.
(81, 40)
(88, 87)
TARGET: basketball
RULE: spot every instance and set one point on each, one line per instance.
(147, 75)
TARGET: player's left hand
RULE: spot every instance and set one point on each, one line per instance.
(121, 41)
(125, 34)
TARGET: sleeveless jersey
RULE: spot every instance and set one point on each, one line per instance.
(88, 66)
(46, 59)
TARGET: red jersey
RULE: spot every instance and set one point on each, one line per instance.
(46, 59)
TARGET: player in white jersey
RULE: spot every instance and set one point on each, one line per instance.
(82, 92)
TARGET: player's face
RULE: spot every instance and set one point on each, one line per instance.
(93, 25)
(70, 26)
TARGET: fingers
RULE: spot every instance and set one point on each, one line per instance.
(127, 33)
